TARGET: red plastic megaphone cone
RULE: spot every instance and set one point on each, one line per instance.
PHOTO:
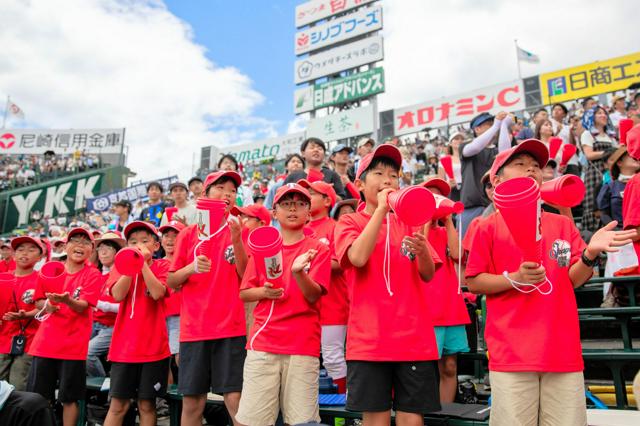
(447, 164)
(624, 126)
(265, 244)
(52, 276)
(565, 191)
(554, 146)
(522, 216)
(414, 205)
(568, 151)
(209, 216)
(445, 207)
(169, 212)
(129, 261)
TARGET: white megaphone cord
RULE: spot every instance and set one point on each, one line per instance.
(273, 302)
(536, 287)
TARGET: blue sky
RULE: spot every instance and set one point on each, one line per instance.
(256, 37)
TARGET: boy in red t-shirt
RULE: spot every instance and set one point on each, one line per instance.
(17, 322)
(139, 348)
(7, 262)
(335, 306)
(532, 330)
(60, 345)
(282, 367)
(449, 312)
(212, 326)
(391, 345)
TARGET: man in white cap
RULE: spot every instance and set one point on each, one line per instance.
(364, 147)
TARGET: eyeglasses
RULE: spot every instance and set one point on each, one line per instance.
(300, 204)
(80, 241)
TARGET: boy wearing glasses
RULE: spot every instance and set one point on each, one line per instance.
(61, 343)
(212, 326)
(281, 371)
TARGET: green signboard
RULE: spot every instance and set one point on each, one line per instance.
(340, 91)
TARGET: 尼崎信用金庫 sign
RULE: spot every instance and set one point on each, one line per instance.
(333, 61)
(339, 91)
(590, 79)
(66, 141)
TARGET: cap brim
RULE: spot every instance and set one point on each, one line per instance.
(76, 231)
(440, 184)
(24, 239)
(119, 241)
(139, 224)
(535, 148)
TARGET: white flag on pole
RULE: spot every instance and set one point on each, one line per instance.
(15, 110)
(525, 56)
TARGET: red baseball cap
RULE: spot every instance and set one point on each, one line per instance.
(439, 184)
(139, 224)
(321, 187)
(533, 147)
(212, 177)
(385, 150)
(79, 230)
(174, 224)
(253, 210)
(288, 189)
(26, 239)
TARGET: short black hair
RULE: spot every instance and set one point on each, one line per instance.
(564, 108)
(540, 110)
(145, 230)
(585, 100)
(156, 184)
(230, 158)
(292, 156)
(195, 179)
(510, 160)
(316, 141)
(384, 161)
(222, 180)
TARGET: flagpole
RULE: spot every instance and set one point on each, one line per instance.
(6, 110)
(518, 59)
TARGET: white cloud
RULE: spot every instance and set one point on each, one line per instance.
(443, 48)
(127, 63)
(298, 124)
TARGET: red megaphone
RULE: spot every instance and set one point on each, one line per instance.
(129, 261)
(170, 211)
(445, 207)
(52, 276)
(565, 191)
(624, 126)
(447, 164)
(554, 146)
(568, 151)
(414, 205)
(265, 244)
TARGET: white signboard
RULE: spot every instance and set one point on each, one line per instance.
(347, 27)
(459, 109)
(315, 10)
(68, 141)
(255, 152)
(341, 58)
(345, 124)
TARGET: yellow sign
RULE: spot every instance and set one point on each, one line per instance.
(591, 79)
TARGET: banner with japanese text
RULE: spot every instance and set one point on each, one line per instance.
(590, 79)
(339, 91)
(342, 125)
(355, 24)
(133, 194)
(315, 10)
(67, 141)
(459, 109)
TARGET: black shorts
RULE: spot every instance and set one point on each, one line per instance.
(410, 386)
(48, 374)
(212, 366)
(139, 380)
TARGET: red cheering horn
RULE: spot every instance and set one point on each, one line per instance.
(170, 211)
(447, 164)
(624, 126)
(445, 207)
(265, 244)
(568, 151)
(520, 209)
(554, 146)
(129, 261)
(414, 205)
(52, 276)
(565, 191)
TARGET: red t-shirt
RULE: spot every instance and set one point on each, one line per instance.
(211, 306)
(106, 318)
(445, 302)
(531, 332)
(335, 305)
(24, 289)
(631, 207)
(383, 327)
(65, 334)
(172, 304)
(141, 337)
(294, 326)
(7, 265)
(467, 241)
